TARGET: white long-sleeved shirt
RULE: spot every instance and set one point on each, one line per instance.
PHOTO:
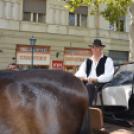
(108, 72)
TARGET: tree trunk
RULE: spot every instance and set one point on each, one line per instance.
(132, 32)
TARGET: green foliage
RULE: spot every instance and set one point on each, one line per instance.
(114, 8)
(119, 26)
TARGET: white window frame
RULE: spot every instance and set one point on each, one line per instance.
(79, 19)
(115, 27)
(31, 16)
(36, 17)
(75, 19)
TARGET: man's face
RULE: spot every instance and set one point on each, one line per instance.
(97, 49)
(12, 67)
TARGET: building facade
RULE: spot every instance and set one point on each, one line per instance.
(62, 37)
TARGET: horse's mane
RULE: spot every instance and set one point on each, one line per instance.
(7, 70)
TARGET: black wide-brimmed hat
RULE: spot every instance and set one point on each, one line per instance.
(97, 42)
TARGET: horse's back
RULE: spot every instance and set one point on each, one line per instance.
(41, 102)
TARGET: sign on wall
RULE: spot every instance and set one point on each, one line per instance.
(76, 56)
(41, 55)
(58, 65)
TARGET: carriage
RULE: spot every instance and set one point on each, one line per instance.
(116, 98)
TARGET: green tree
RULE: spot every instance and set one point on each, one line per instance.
(114, 8)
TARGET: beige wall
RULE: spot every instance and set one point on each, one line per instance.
(55, 34)
(57, 43)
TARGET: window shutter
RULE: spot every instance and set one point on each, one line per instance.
(81, 10)
(35, 6)
(118, 57)
(122, 18)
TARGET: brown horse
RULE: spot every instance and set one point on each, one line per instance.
(41, 102)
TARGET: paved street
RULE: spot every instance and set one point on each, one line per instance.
(114, 129)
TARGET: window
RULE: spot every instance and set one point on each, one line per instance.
(76, 68)
(79, 17)
(71, 68)
(36, 17)
(71, 19)
(34, 10)
(118, 57)
(119, 25)
(27, 16)
(84, 20)
(77, 20)
(41, 17)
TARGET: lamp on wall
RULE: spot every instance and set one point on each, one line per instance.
(13, 58)
(32, 42)
(57, 54)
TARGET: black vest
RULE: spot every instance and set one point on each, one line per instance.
(100, 67)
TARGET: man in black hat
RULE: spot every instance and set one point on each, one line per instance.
(99, 68)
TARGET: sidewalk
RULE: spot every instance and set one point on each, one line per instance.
(114, 129)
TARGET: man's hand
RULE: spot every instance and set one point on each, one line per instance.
(91, 80)
(81, 78)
